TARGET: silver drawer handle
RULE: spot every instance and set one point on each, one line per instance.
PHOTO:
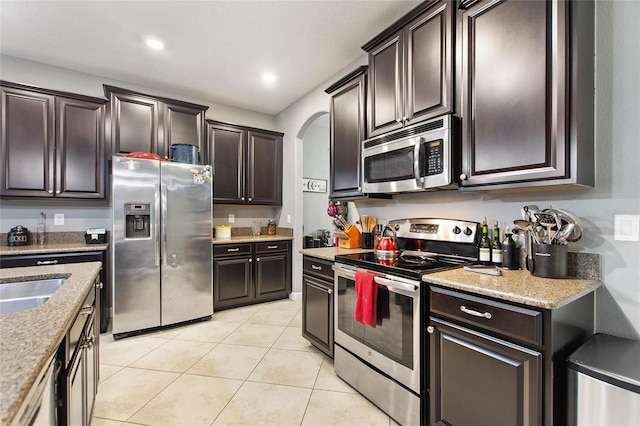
(86, 310)
(233, 249)
(475, 313)
(47, 262)
(317, 268)
(272, 247)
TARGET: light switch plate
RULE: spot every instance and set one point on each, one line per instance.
(626, 227)
(58, 219)
(232, 217)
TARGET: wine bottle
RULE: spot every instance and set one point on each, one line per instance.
(484, 251)
(496, 247)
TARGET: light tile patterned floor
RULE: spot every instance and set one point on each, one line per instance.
(248, 366)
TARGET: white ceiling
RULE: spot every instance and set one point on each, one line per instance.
(215, 50)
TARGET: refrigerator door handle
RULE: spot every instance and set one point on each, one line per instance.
(164, 223)
(156, 222)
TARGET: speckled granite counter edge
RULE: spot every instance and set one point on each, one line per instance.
(250, 239)
(51, 248)
(516, 286)
(28, 339)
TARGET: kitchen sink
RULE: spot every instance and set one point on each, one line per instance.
(23, 295)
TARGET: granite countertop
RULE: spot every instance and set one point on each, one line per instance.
(329, 253)
(516, 286)
(250, 239)
(28, 339)
(52, 248)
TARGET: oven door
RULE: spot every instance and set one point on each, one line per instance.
(393, 346)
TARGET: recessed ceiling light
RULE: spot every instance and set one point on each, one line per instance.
(268, 78)
(154, 43)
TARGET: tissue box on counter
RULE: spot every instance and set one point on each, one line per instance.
(96, 236)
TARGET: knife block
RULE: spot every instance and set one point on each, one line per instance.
(353, 239)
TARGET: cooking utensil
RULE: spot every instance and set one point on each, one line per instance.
(527, 211)
(568, 217)
(527, 227)
(564, 233)
(548, 220)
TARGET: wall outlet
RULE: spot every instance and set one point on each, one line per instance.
(288, 218)
(626, 227)
(58, 219)
(232, 217)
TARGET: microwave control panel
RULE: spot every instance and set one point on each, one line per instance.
(434, 153)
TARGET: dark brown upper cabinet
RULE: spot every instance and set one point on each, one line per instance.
(527, 101)
(247, 164)
(347, 123)
(53, 144)
(146, 123)
(411, 68)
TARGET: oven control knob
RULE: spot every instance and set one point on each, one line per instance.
(396, 227)
(457, 230)
(468, 231)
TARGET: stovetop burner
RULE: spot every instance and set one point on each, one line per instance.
(427, 246)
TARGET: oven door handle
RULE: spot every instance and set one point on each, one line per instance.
(391, 284)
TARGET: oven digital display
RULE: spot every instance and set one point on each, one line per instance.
(424, 228)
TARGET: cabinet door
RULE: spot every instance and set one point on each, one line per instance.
(264, 176)
(226, 151)
(134, 124)
(92, 367)
(317, 313)
(429, 64)
(347, 111)
(232, 282)
(184, 124)
(476, 379)
(273, 276)
(28, 143)
(75, 398)
(385, 110)
(514, 102)
(80, 149)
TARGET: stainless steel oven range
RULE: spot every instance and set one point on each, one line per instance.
(384, 363)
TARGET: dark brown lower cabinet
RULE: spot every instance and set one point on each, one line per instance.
(248, 273)
(493, 362)
(317, 303)
(480, 380)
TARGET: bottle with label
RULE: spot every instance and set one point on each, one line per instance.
(41, 229)
(496, 247)
(484, 251)
(509, 252)
(271, 227)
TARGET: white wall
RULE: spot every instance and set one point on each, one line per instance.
(315, 165)
(617, 190)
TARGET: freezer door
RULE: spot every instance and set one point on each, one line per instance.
(187, 285)
(136, 257)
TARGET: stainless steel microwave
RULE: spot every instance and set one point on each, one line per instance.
(421, 157)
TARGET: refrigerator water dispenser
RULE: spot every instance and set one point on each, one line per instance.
(138, 220)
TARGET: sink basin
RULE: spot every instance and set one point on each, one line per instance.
(23, 295)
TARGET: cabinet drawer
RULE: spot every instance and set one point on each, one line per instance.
(75, 332)
(317, 267)
(231, 249)
(267, 247)
(509, 320)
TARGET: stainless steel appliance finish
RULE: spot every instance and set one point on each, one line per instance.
(161, 243)
(417, 158)
(604, 382)
(384, 363)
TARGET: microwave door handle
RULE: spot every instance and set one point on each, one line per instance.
(416, 161)
(391, 284)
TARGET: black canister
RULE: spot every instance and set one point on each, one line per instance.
(19, 236)
(510, 255)
(549, 260)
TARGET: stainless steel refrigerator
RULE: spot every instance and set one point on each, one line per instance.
(161, 243)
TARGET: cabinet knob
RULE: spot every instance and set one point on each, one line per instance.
(242, 198)
(50, 191)
(250, 260)
(463, 176)
(257, 259)
(99, 286)
(249, 199)
(430, 329)
(405, 118)
(399, 120)
(57, 191)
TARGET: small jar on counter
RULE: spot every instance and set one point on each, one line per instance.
(271, 227)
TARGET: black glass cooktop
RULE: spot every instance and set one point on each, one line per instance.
(407, 266)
